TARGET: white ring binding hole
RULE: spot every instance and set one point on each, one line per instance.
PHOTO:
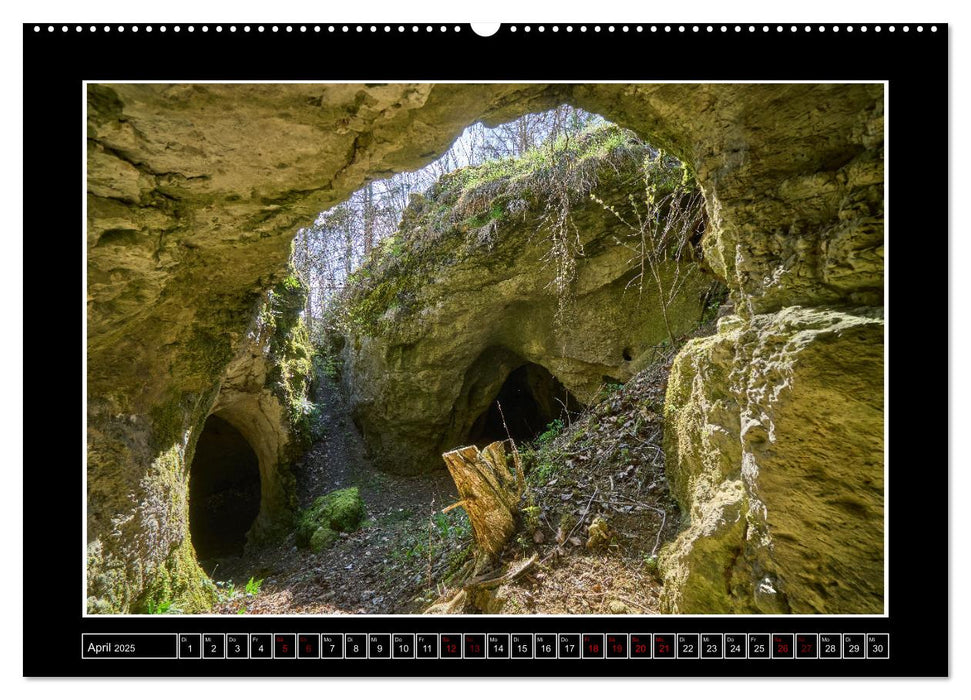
(485, 28)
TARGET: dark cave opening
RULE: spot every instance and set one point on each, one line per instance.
(530, 398)
(224, 490)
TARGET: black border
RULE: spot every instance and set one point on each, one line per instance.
(914, 62)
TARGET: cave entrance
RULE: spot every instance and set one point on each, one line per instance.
(224, 490)
(531, 398)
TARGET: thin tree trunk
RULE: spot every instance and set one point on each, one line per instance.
(368, 218)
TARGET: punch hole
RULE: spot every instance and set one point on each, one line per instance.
(484, 29)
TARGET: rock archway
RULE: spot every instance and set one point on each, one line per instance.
(194, 192)
(530, 398)
(504, 392)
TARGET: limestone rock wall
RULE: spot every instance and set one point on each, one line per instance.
(194, 192)
(431, 357)
(774, 442)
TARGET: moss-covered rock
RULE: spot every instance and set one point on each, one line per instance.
(480, 286)
(774, 447)
(337, 511)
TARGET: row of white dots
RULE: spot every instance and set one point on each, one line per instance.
(247, 28)
(555, 28)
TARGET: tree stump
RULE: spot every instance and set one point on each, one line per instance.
(489, 491)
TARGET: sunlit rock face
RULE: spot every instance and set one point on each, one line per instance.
(194, 192)
(465, 312)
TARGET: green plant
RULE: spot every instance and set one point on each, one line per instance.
(609, 388)
(225, 591)
(545, 469)
(253, 586)
(531, 515)
(550, 434)
(651, 565)
(161, 608)
(326, 364)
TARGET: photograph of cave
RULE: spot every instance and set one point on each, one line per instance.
(485, 348)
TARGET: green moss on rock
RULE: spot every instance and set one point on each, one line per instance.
(322, 538)
(291, 357)
(179, 585)
(338, 511)
(458, 217)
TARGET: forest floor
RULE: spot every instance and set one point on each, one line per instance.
(389, 565)
(596, 512)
